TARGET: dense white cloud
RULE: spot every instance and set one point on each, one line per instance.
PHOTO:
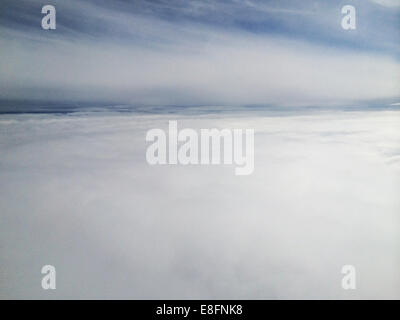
(76, 192)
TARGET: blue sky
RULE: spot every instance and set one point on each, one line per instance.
(201, 52)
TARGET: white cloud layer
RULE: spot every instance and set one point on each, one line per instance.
(76, 192)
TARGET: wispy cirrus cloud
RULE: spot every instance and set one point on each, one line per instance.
(199, 52)
(388, 3)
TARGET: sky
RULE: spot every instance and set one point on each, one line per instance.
(78, 193)
(201, 52)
